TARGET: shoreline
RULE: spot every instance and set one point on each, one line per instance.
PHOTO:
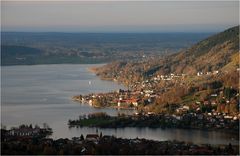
(112, 107)
(94, 70)
(105, 142)
(112, 120)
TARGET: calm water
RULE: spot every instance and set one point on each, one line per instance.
(42, 94)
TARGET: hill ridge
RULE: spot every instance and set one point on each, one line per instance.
(210, 54)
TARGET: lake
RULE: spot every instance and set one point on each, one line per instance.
(42, 94)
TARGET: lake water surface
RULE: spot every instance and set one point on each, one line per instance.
(42, 94)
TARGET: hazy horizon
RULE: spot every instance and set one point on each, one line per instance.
(119, 17)
(116, 32)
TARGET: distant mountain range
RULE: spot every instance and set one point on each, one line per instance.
(217, 52)
(51, 48)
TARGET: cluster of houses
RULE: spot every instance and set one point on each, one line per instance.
(145, 92)
(28, 131)
(200, 73)
(196, 120)
(195, 107)
(169, 77)
(129, 102)
(118, 99)
(127, 99)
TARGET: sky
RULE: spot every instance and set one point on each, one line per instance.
(119, 16)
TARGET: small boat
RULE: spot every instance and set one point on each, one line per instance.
(89, 82)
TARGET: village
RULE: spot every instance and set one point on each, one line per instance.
(26, 132)
(219, 102)
(23, 143)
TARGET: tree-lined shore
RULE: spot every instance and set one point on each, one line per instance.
(95, 144)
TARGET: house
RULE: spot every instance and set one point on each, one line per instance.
(199, 73)
(25, 131)
(90, 102)
(235, 118)
(147, 95)
(228, 117)
(148, 91)
(134, 102)
(206, 102)
(214, 95)
(170, 78)
(198, 102)
(119, 103)
(213, 103)
(216, 72)
(150, 113)
(186, 107)
(120, 100)
(92, 137)
(178, 110)
(177, 117)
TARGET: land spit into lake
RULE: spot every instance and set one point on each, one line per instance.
(98, 144)
(208, 115)
(189, 121)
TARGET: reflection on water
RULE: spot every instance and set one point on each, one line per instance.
(42, 94)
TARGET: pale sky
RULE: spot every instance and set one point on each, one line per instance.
(106, 16)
